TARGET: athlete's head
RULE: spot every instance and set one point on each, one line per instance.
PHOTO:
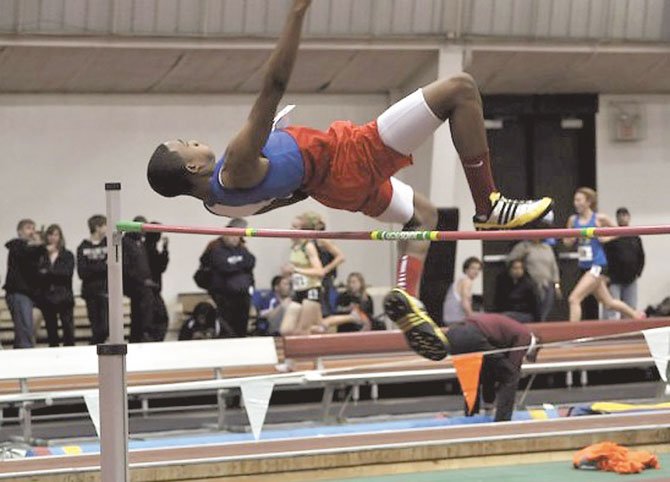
(585, 199)
(181, 167)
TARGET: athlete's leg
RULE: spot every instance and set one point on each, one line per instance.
(458, 100)
(604, 296)
(415, 212)
(407, 124)
(586, 285)
(412, 254)
(289, 322)
(310, 315)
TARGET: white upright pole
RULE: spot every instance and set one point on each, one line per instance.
(112, 357)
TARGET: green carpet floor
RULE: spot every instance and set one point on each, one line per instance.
(547, 472)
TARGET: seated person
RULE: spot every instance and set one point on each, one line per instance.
(281, 298)
(354, 308)
(202, 325)
(458, 303)
(516, 294)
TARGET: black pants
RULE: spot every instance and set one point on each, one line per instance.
(233, 310)
(98, 314)
(159, 320)
(52, 312)
(141, 313)
(499, 377)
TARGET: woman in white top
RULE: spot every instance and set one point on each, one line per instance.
(458, 303)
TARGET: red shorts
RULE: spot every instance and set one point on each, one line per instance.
(348, 167)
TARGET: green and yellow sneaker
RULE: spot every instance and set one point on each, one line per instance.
(423, 335)
(515, 214)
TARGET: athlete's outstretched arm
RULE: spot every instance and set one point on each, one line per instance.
(243, 167)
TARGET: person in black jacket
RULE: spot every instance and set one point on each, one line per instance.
(232, 280)
(625, 258)
(92, 269)
(158, 261)
(21, 282)
(138, 286)
(516, 294)
(55, 297)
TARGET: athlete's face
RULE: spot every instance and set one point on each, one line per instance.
(581, 203)
(297, 224)
(354, 284)
(199, 158)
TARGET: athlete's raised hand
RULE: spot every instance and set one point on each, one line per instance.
(301, 4)
(243, 168)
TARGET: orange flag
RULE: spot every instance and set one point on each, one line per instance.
(467, 370)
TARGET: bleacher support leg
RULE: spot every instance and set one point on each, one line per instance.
(327, 400)
(584, 378)
(112, 357)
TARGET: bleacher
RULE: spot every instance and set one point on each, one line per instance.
(82, 327)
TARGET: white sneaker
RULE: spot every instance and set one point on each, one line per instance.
(514, 213)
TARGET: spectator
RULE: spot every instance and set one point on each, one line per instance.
(92, 269)
(138, 286)
(306, 272)
(354, 307)
(516, 296)
(158, 261)
(55, 297)
(625, 257)
(158, 258)
(458, 303)
(232, 280)
(202, 325)
(21, 282)
(540, 262)
(331, 257)
(281, 298)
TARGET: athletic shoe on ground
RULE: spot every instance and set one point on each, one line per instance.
(423, 335)
(515, 214)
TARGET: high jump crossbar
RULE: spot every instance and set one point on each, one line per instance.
(379, 235)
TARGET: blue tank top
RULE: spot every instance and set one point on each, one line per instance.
(285, 174)
(591, 252)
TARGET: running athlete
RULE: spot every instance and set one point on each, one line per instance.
(349, 167)
(592, 259)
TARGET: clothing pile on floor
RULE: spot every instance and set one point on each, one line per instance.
(611, 457)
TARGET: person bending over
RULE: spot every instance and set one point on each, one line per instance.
(500, 372)
(348, 167)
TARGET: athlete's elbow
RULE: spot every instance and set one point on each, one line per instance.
(277, 82)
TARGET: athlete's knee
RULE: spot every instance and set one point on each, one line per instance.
(464, 87)
(425, 214)
(574, 299)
